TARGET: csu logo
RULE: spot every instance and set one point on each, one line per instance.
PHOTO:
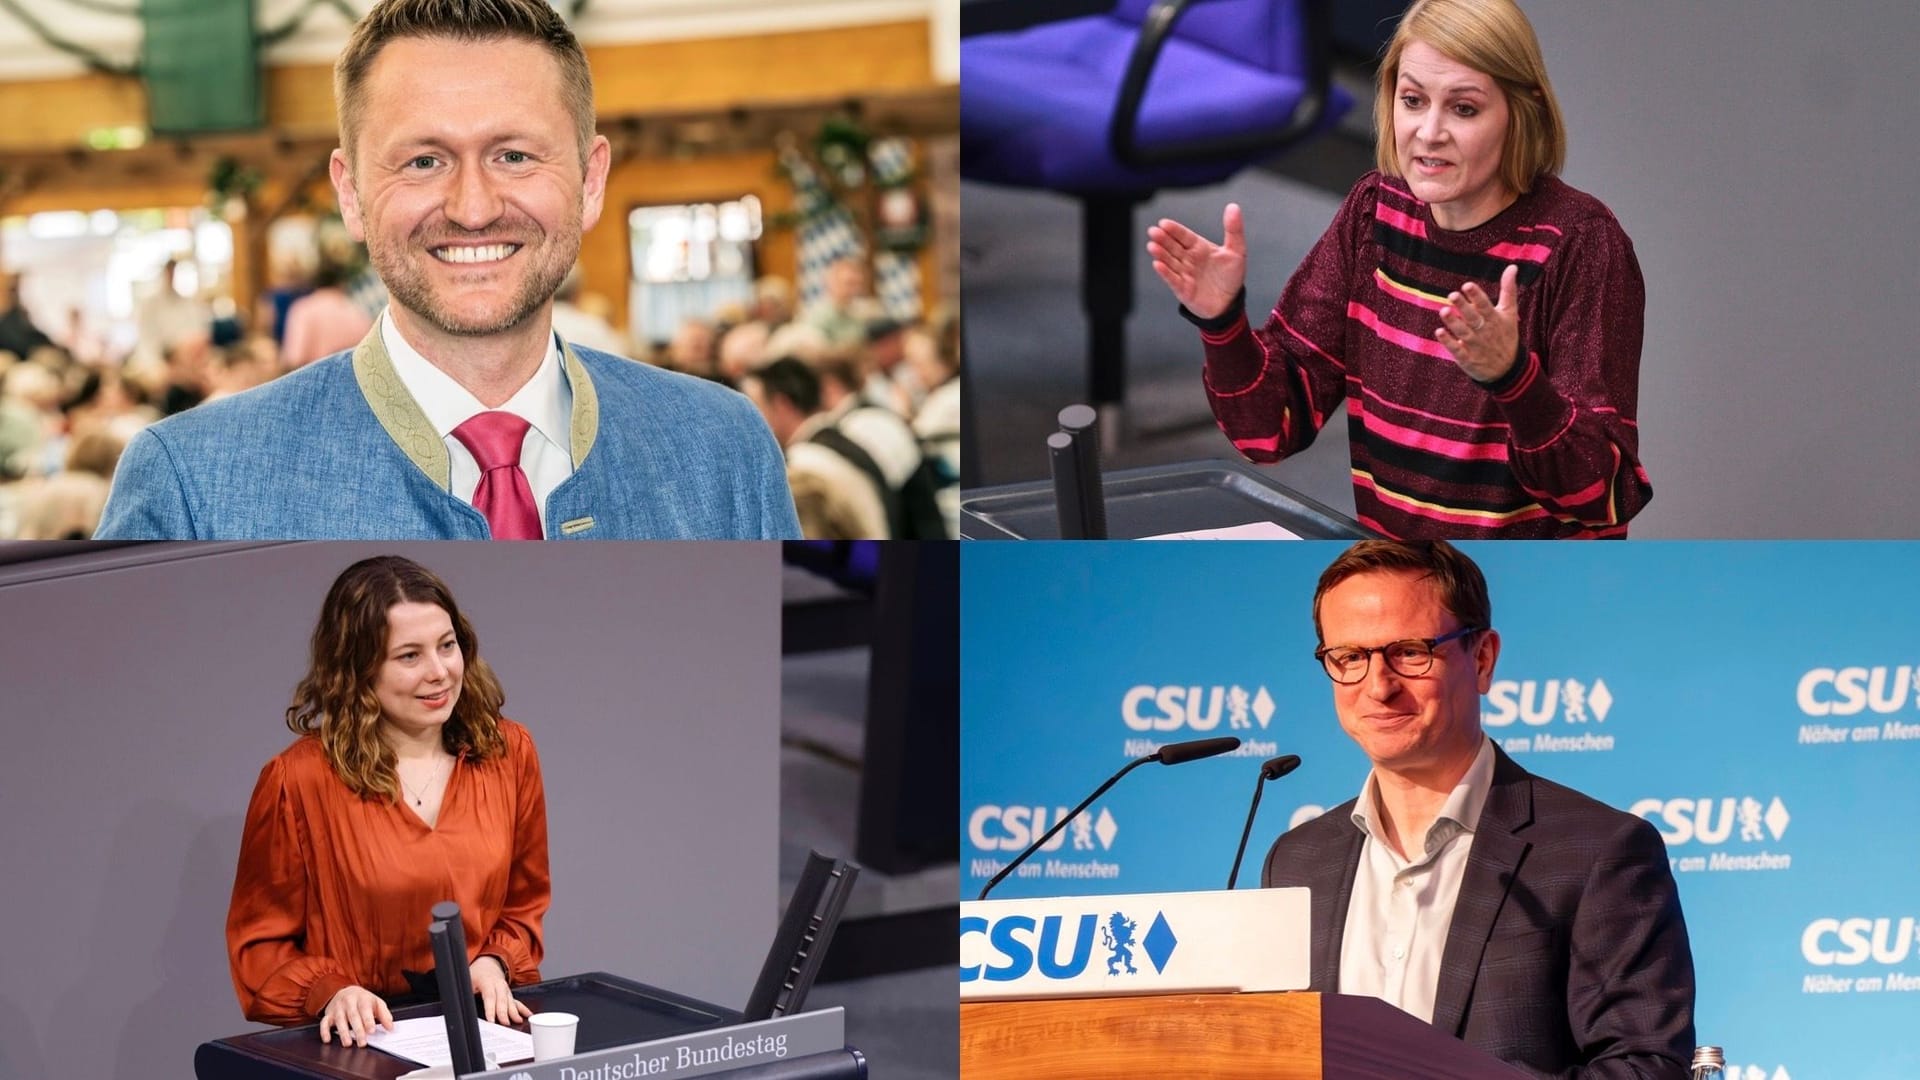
(1116, 936)
(1537, 703)
(1826, 942)
(1170, 708)
(1756, 1072)
(1012, 828)
(1710, 821)
(1060, 947)
(1846, 691)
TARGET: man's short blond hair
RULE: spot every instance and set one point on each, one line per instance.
(462, 20)
(1493, 37)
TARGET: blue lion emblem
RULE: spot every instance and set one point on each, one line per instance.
(1117, 937)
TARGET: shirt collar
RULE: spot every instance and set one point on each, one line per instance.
(1461, 811)
(545, 401)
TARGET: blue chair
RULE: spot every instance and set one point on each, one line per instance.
(1112, 107)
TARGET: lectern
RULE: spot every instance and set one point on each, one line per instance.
(1155, 1005)
(1275, 1036)
(627, 1030)
(614, 1013)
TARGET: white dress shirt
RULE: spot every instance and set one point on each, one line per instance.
(1398, 915)
(545, 402)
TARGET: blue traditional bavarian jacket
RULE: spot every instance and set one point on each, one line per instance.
(340, 450)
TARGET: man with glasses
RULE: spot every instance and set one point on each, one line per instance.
(1519, 915)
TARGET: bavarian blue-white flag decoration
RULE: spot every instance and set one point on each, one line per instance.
(896, 274)
(826, 232)
(1758, 703)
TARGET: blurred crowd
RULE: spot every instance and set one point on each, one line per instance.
(69, 403)
(867, 407)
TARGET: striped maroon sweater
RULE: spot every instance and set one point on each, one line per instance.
(1549, 450)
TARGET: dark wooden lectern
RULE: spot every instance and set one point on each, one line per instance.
(1289, 1036)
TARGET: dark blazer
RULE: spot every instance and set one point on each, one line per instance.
(1567, 954)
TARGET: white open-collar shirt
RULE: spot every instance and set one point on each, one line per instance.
(1398, 916)
(545, 402)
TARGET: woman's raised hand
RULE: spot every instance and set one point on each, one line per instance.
(1203, 275)
(1483, 336)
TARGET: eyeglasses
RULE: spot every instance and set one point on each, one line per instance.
(1348, 664)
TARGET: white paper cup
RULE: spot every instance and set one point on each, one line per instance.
(553, 1034)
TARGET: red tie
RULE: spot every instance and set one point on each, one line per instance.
(504, 496)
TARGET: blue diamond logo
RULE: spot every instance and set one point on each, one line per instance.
(1160, 942)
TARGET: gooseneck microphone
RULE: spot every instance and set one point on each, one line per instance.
(1182, 752)
(1170, 754)
(1271, 769)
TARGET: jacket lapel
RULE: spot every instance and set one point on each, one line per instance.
(1491, 866)
(396, 410)
(585, 424)
(404, 422)
(1332, 885)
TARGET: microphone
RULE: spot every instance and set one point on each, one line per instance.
(1271, 769)
(449, 938)
(1182, 752)
(1170, 754)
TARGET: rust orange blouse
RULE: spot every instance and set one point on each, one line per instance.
(335, 890)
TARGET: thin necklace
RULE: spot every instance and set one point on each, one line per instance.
(419, 799)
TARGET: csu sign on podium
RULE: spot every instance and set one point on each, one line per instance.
(1254, 939)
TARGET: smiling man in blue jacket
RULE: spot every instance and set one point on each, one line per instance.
(470, 167)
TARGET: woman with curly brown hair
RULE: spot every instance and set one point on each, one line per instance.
(405, 787)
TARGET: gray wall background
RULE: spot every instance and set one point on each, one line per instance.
(1760, 155)
(143, 690)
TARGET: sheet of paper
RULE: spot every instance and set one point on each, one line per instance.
(1257, 530)
(424, 1039)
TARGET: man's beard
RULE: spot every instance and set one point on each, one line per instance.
(407, 283)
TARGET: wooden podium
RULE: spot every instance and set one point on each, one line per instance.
(1277, 1036)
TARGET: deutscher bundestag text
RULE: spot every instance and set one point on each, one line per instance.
(682, 1057)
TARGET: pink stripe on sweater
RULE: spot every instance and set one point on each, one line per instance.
(1266, 362)
(1224, 336)
(1270, 444)
(1406, 506)
(1433, 444)
(1453, 420)
(1535, 253)
(1611, 411)
(1527, 375)
(1372, 523)
(1388, 191)
(1590, 492)
(1393, 335)
(1302, 339)
(1408, 224)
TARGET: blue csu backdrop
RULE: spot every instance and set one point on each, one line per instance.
(1756, 701)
